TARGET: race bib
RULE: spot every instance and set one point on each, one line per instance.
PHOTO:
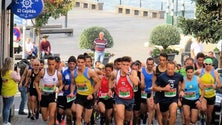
(49, 88)
(144, 95)
(83, 88)
(172, 93)
(124, 94)
(189, 95)
(135, 89)
(209, 90)
(104, 95)
(69, 99)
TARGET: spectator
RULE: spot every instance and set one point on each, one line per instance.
(196, 47)
(99, 46)
(45, 47)
(9, 87)
(215, 61)
(29, 48)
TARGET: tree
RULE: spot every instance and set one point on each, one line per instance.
(208, 22)
(54, 9)
(88, 36)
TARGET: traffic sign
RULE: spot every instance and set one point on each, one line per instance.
(27, 9)
(17, 34)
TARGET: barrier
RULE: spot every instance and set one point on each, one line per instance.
(89, 5)
(136, 11)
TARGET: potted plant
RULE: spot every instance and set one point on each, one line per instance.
(88, 36)
(164, 35)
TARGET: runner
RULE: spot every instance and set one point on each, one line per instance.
(33, 95)
(124, 80)
(191, 96)
(105, 103)
(159, 69)
(83, 78)
(168, 84)
(210, 78)
(66, 98)
(48, 78)
(146, 84)
(137, 93)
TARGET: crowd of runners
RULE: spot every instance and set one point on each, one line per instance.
(123, 92)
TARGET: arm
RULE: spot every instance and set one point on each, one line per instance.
(41, 49)
(217, 78)
(72, 86)
(111, 83)
(192, 51)
(60, 83)
(15, 76)
(201, 86)
(134, 78)
(49, 47)
(28, 77)
(181, 88)
(158, 88)
(36, 83)
(96, 80)
(142, 86)
(23, 76)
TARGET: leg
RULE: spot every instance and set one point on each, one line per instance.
(159, 114)
(102, 111)
(52, 111)
(96, 56)
(108, 116)
(23, 91)
(194, 115)
(120, 112)
(186, 114)
(210, 109)
(150, 106)
(87, 115)
(79, 111)
(45, 114)
(7, 104)
(43, 54)
(68, 113)
(102, 55)
(173, 113)
(128, 115)
(33, 106)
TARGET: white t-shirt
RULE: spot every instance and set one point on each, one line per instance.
(196, 47)
(28, 47)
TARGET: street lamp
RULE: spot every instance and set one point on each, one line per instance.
(172, 11)
(183, 8)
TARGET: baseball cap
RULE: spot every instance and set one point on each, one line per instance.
(57, 59)
(208, 61)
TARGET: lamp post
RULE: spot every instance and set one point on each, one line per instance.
(140, 3)
(120, 2)
(183, 8)
(172, 12)
(161, 5)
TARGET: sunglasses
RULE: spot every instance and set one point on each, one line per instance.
(208, 64)
(36, 65)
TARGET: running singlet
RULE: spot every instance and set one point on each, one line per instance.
(83, 82)
(191, 90)
(124, 87)
(49, 82)
(67, 80)
(147, 80)
(104, 88)
(208, 78)
(32, 78)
